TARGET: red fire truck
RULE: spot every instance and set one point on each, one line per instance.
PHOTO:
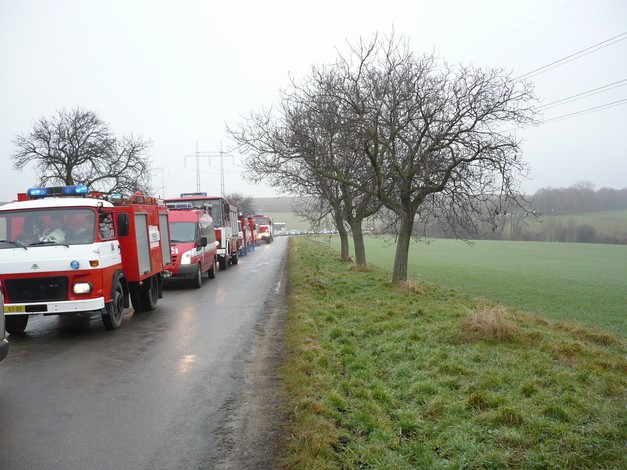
(253, 241)
(193, 244)
(65, 250)
(265, 228)
(224, 216)
(243, 236)
(4, 344)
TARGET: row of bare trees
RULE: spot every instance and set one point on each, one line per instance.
(580, 197)
(385, 131)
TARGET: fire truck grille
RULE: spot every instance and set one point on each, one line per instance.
(45, 289)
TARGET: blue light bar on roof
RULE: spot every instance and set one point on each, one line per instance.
(193, 194)
(38, 193)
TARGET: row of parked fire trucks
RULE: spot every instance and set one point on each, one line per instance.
(67, 250)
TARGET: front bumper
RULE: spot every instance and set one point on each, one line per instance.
(184, 271)
(53, 308)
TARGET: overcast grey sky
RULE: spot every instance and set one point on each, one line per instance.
(176, 72)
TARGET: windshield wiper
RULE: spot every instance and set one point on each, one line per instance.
(49, 242)
(11, 242)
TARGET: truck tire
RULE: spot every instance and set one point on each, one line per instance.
(211, 272)
(15, 324)
(149, 295)
(197, 280)
(223, 263)
(136, 300)
(234, 259)
(113, 311)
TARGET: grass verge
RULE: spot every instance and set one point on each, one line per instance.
(378, 376)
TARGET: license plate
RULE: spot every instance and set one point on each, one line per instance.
(14, 309)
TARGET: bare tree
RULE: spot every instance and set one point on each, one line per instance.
(433, 136)
(305, 148)
(426, 139)
(77, 147)
(244, 204)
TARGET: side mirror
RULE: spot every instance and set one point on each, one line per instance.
(202, 242)
(123, 227)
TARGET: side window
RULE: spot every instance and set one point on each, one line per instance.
(105, 225)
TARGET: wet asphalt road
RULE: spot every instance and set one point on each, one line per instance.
(150, 395)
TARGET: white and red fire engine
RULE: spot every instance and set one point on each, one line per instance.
(65, 250)
(4, 344)
(265, 228)
(224, 217)
(194, 250)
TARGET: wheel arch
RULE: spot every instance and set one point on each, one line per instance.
(120, 277)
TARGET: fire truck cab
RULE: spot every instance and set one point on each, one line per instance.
(224, 216)
(194, 250)
(265, 228)
(66, 250)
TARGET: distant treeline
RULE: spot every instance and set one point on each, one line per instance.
(557, 215)
(578, 198)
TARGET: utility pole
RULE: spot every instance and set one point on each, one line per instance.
(197, 155)
(162, 188)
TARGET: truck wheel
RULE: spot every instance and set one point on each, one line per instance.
(150, 295)
(234, 259)
(197, 280)
(15, 324)
(211, 273)
(136, 300)
(114, 310)
(223, 263)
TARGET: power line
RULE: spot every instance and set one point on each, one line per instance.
(517, 30)
(585, 94)
(586, 111)
(574, 114)
(445, 19)
(575, 56)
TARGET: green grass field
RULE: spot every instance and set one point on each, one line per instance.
(574, 282)
(423, 377)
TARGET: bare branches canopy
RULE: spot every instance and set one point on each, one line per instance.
(421, 137)
(77, 147)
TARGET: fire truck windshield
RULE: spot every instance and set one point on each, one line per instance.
(183, 231)
(38, 227)
(214, 206)
(262, 220)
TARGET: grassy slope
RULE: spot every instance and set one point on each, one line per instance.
(581, 283)
(379, 377)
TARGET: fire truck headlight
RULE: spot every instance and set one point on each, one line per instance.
(186, 258)
(74, 264)
(82, 288)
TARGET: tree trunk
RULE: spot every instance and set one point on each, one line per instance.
(344, 249)
(399, 274)
(358, 240)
